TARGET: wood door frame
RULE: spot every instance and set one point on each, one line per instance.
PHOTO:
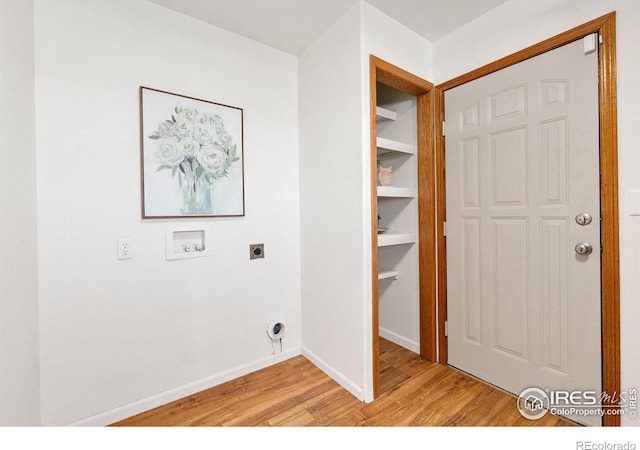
(610, 297)
(386, 73)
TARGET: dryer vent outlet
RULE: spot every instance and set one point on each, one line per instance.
(276, 330)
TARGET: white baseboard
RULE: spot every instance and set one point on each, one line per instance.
(342, 380)
(140, 406)
(400, 340)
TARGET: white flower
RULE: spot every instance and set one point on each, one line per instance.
(196, 142)
(187, 113)
(168, 152)
(217, 122)
(204, 134)
(184, 128)
(224, 139)
(167, 129)
(214, 160)
(189, 147)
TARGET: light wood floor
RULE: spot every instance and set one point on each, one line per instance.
(414, 392)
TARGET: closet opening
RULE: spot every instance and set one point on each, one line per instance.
(403, 218)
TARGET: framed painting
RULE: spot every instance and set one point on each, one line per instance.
(191, 157)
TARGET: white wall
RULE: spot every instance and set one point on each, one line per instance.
(518, 24)
(19, 358)
(390, 40)
(335, 186)
(119, 337)
(332, 202)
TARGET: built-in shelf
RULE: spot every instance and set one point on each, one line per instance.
(389, 145)
(398, 239)
(385, 274)
(393, 191)
(387, 239)
(385, 114)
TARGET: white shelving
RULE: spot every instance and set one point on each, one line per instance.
(385, 114)
(398, 250)
(386, 274)
(395, 238)
(389, 145)
(396, 192)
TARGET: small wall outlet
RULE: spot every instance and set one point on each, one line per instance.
(256, 251)
(125, 249)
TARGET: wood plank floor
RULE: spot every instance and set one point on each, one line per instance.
(414, 392)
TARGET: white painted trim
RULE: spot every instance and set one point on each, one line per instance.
(400, 340)
(338, 377)
(140, 406)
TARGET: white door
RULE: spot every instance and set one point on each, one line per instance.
(522, 161)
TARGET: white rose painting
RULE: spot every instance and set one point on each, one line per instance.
(192, 157)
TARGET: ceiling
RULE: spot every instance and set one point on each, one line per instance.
(291, 25)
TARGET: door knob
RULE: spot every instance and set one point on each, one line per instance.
(584, 248)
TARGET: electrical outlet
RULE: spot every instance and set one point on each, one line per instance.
(256, 251)
(125, 249)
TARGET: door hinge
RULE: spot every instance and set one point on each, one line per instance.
(446, 328)
(600, 40)
(444, 128)
(444, 229)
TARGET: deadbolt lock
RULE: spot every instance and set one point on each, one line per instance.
(583, 219)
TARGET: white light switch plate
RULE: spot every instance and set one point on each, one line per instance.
(634, 203)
